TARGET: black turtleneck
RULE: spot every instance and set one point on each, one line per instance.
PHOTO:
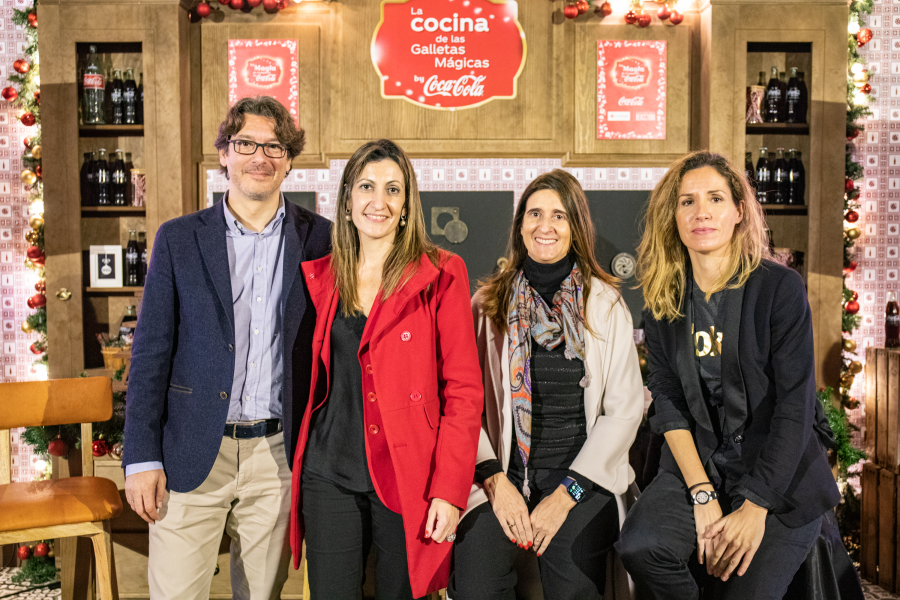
(558, 423)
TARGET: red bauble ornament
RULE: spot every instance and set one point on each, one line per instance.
(38, 171)
(57, 447)
(848, 185)
(270, 5)
(863, 37)
(852, 307)
(583, 6)
(39, 261)
(38, 300)
(34, 349)
(42, 549)
(23, 553)
(9, 94)
(254, 3)
(37, 96)
(852, 133)
(27, 142)
(631, 17)
(224, 1)
(571, 11)
(236, 4)
(28, 119)
(664, 12)
(644, 19)
(203, 10)
(33, 252)
(40, 286)
(676, 17)
(852, 216)
(603, 10)
(21, 66)
(100, 448)
(866, 88)
(32, 19)
(855, 296)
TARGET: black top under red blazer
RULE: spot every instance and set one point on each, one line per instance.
(769, 389)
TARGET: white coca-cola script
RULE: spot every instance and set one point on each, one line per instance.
(636, 101)
(467, 85)
(93, 81)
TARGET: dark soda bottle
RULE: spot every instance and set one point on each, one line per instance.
(774, 98)
(792, 99)
(140, 101)
(804, 98)
(86, 180)
(142, 249)
(892, 322)
(129, 192)
(129, 98)
(118, 180)
(780, 177)
(132, 260)
(117, 98)
(763, 177)
(797, 177)
(101, 179)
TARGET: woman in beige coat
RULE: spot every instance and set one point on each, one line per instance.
(563, 401)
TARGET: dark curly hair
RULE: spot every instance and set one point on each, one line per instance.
(293, 137)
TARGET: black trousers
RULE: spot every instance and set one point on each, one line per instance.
(341, 527)
(658, 547)
(573, 567)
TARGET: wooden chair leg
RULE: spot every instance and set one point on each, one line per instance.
(103, 552)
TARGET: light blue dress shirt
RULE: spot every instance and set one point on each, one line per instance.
(256, 266)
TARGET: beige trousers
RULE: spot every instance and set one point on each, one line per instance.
(247, 494)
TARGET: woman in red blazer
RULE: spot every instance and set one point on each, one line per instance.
(387, 442)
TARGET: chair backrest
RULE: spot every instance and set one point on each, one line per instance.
(54, 402)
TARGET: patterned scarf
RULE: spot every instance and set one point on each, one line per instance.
(531, 318)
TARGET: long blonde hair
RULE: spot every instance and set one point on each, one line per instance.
(410, 242)
(497, 290)
(662, 257)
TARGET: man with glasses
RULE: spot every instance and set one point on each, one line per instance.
(222, 348)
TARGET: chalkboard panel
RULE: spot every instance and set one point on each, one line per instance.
(487, 217)
(305, 200)
(617, 216)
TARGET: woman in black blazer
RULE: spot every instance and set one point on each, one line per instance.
(730, 349)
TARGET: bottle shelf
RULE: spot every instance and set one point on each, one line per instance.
(115, 291)
(785, 209)
(777, 128)
(111, 131)
(113, 211)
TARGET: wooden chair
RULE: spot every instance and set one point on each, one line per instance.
(59, 508)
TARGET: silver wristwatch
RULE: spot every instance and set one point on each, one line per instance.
(704, 497)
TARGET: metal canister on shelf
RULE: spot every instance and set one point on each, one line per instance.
(138, 187)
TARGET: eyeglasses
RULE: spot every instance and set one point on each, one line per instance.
(248, 147)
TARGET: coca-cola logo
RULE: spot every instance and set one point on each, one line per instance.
(93, 81)
(262, 72)
(631, 73)
(448, 54)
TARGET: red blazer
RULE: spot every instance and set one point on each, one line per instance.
(423, 401)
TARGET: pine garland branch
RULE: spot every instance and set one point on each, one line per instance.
(847, 453)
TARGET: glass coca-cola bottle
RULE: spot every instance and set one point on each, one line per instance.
(118, 180)
(762, 83)
(129, 195)
(117, 98)
(804, 98)
(774, 98)
(129, 97)
(132, 260)
(891, 322)
(780, 177)
(85, 178)
(763, 176)
(792, 99)
(101, 179)
(94, 91)
(797, 175)
(140, 101)
(142, 249)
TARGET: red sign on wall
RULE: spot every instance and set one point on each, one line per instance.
(264, 68)
(448, 54)
(631, 90)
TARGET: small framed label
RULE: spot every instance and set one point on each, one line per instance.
(106, 266)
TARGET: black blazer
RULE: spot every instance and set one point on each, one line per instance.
(182, 365)
(769, 389)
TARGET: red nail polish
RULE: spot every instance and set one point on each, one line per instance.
(513, 541)
(539, 554)
(530, 544)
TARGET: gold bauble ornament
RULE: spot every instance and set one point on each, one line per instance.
(861, 77)
(36, 151)
(36, 221)
(28, 177)
(29, 264)
(853, 233)
(642, 362)
(855, 367)
(26, 327)
(849, 345)
(847, 380)
(31, 237)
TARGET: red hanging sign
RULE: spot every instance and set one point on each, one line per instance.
(264, 68)
(631, 90)
(448, 54)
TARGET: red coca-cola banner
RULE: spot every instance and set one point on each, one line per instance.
(264, 68)
(631, 90)
(448, 54)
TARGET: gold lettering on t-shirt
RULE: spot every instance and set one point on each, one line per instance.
(707, 343)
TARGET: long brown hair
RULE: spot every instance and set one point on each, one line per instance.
(410, 242)
(662, 256)
(497, 290)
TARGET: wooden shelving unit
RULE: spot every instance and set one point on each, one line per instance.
(112, 211)
(777, 128)
(110, 130)
(125, 291)
(785, 209)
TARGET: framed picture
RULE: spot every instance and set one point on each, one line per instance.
(106, 266)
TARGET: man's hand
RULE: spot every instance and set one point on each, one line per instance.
(737, 538)
(704, 516)
(548, 517)
(145, 492)
(510, 509)
(442, 520)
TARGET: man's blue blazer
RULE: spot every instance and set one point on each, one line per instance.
(182, 364)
